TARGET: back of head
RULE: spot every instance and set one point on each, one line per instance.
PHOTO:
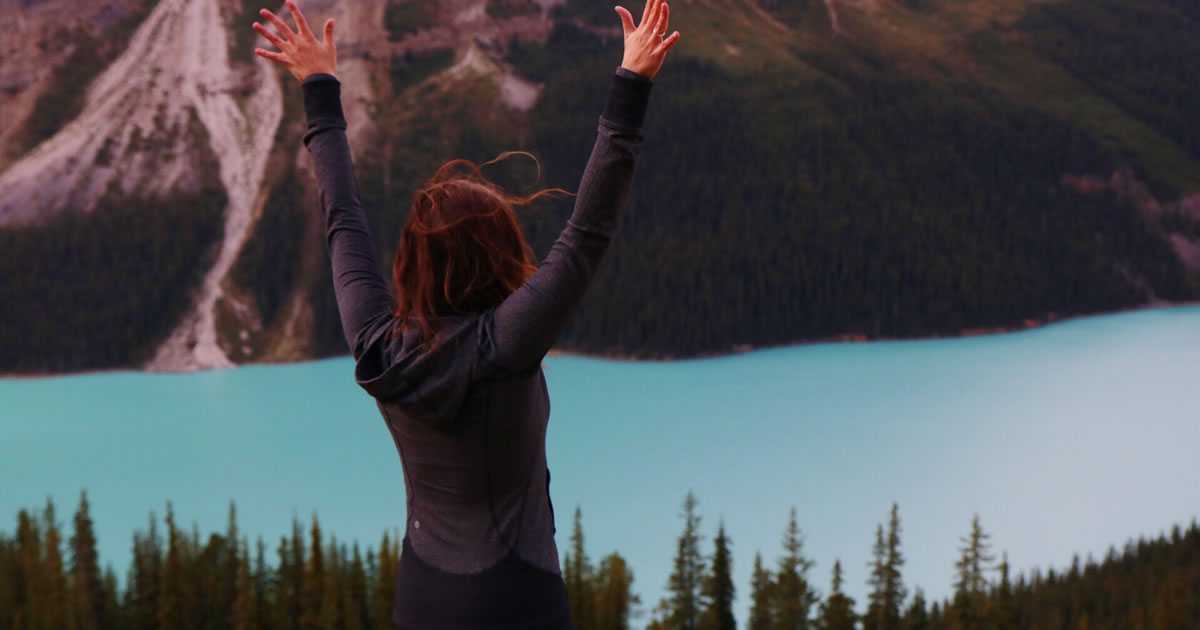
(462, 250)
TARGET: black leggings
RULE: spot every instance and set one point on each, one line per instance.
(512, 595)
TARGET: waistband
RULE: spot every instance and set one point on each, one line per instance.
(511, 595)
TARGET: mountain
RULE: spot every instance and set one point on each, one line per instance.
(813, 169)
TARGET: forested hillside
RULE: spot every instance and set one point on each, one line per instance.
(52, 577)
(812, 170)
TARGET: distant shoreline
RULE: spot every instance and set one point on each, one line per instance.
(1029, 324)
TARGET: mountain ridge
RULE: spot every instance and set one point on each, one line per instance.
(426, 81)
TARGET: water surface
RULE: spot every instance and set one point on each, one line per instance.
(1064, 439)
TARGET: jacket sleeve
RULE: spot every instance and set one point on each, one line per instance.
(364, 300)
(516, 335)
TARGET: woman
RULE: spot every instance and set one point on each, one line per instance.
(453, 356)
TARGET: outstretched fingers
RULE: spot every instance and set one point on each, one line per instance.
(667, 44)
(271, 37)
(328, 41)
(664, 17)
(626, 20)
(647, 12)
(285, 31)
(273, 56)
(301, 23)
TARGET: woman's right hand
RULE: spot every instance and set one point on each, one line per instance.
(645, 46)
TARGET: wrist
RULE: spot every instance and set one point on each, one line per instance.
(627, 71)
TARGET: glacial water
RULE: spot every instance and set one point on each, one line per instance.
(1065, 439)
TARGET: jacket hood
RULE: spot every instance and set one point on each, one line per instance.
(424, 383)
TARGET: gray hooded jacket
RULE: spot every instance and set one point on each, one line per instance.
(469, 418)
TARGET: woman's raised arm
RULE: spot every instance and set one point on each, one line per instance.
(364, 299)
(518, 333)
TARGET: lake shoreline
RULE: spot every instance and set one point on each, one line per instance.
(1029, 324)
(862, 338)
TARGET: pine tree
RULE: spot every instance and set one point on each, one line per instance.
(577, 575)
(231, 565)
(112, 615)
(29, 594)
(686, 600)
(262, 586)
(718, 586)
(382, 592)
(837, 613)
(8, 581)
(916, 617)
(613, 588)
(873, 620)
(281, 615)
(357, 613)
(793, 596)
(245, 613)
(87, 603)
(144, 581)
(329, 609)
(1003, 607)
(887, 588)
(314, 581)
(172, 599)
(55, 578)
(762, 597)
(970, 586)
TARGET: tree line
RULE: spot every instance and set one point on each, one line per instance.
(179, 581)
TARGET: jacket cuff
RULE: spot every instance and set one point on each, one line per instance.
(323, 98)
(628, 99)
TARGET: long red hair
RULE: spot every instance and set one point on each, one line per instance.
(462, 250)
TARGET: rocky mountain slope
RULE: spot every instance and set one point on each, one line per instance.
(145, 102)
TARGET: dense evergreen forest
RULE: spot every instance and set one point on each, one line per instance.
(816, 186)
(53, 579)
(96, 290)
(770, 208)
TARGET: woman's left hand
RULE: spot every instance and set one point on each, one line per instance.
(299, 50)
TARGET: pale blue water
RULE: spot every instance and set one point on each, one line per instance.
(1064, 439)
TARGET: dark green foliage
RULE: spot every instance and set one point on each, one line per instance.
(685, 586)
(764, 221)
(87, 591)
(837, 613)
(63, 101)
(917, 616)
(269, 263)
(578, 575)
(762, 615)
(1150, 584)
(403, 17)
(102, 289)
(887, 587)
(793, 597)
(718, 586)
(971, 583)
(1140, 55)
(615, 599)
(411, 68)
(601, 597)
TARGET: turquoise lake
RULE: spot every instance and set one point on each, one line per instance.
(1064, 439)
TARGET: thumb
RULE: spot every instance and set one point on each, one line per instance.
(329, 32)
(626, 20)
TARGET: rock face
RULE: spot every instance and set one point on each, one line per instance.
(157, 121)
(174, 113)
(45, 31)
